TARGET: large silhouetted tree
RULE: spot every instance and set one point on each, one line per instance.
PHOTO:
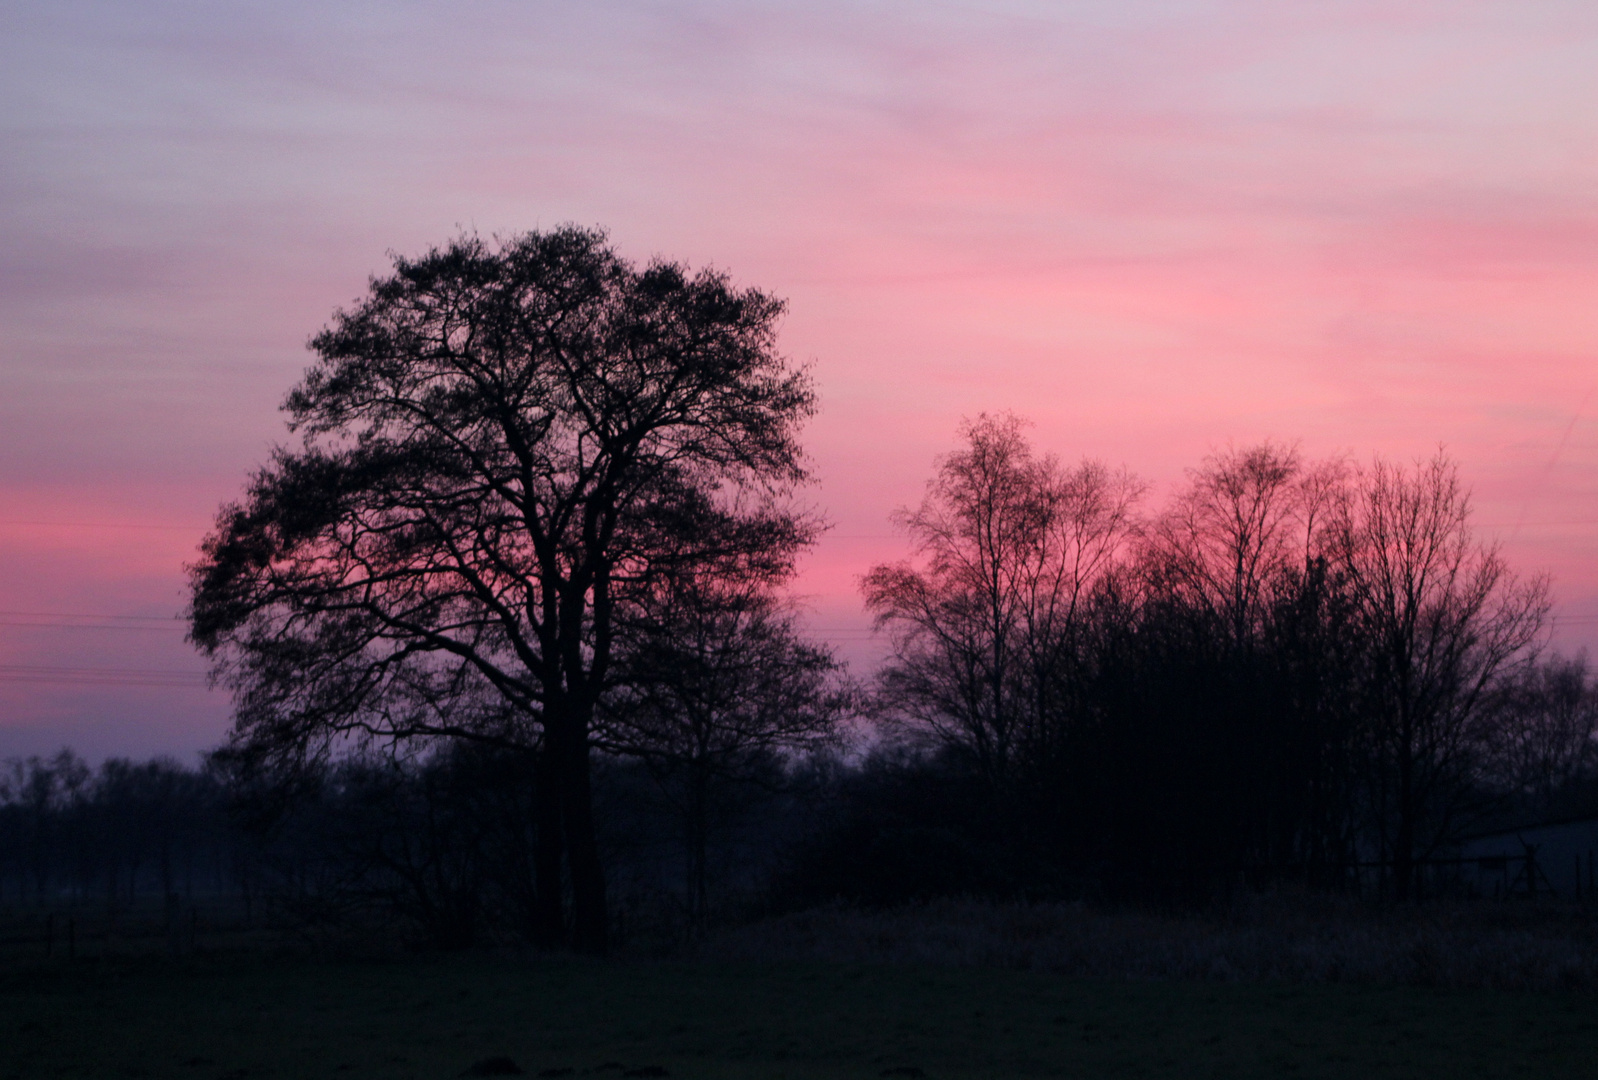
(503, 446)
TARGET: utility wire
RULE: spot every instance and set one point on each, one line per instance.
(76, 621)
(49, 673)
(101, 525)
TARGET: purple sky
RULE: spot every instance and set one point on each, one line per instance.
(1153, 228)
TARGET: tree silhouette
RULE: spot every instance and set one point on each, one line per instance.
(987, 628)
(503, 448)
(717, 683)
(1444, 619)
(1246, 518)
(1543, 735)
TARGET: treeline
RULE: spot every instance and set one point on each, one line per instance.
(1295, 670)
(120, 836)
(436, 849)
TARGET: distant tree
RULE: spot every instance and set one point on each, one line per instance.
(41, 794)
(424, 840)
(1010, 550)
(1444, 619)
(717, 685)
(154, 814)
(1543, 731)
(502, 447)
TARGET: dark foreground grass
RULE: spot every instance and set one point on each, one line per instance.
(256, 1017)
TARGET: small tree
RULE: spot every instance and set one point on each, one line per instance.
(719, 686)
(503, 447)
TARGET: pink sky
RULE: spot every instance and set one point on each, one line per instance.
(1153, 228)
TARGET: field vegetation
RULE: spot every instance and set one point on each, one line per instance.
(441, 1015)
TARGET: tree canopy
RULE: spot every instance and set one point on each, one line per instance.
(503, 446)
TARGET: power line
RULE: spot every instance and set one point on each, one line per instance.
(103, 525)
(65, 620)
(89, 626)
(82, 615)
(48, 673)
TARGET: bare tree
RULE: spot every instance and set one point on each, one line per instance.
(1543, 731)
(1444, 618)
(501, 446)
(1247, 518)
(1011, 547)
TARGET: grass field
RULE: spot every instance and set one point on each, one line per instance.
(251, 1016)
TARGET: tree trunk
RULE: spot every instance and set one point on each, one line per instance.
(549, 922)
(589, 914)
(1404, 839)
(698, 827)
